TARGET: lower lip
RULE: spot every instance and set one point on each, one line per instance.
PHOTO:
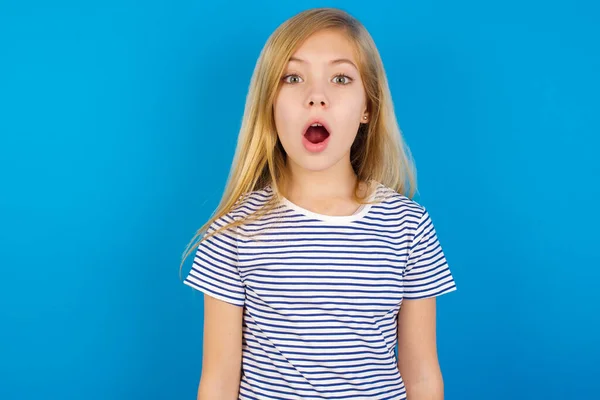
(315, 147)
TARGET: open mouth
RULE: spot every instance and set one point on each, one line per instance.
(316, 133)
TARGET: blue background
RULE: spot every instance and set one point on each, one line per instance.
(118, 122)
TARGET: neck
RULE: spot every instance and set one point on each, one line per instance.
(338, 181)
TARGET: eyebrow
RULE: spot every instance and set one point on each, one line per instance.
(332, 62)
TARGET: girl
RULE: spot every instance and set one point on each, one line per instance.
(316, 265)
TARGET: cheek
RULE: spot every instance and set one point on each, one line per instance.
(279, 115)
(351, 106)
(285, 113)
(358, 100)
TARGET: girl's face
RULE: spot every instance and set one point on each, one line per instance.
(321, 84)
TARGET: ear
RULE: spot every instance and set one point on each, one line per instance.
(365, 116)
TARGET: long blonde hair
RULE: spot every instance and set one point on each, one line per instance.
(378, 154)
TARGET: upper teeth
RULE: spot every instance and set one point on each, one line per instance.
(316, 124)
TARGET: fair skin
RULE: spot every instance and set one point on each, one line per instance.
(318, 84)
(417, 350)
(222, 350)
(321, 81)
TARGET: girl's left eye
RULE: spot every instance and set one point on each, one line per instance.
(347, 78)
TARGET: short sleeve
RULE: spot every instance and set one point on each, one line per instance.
(427, 273)
(215, 268)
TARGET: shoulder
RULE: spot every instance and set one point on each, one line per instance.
(249, 203)
(409, 216)
(393, 201)
(246, 205)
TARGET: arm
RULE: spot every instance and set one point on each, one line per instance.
(222, 348)
(417, 350)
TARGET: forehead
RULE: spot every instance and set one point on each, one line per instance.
(326, 44)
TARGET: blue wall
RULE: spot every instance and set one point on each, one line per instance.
(118, 122)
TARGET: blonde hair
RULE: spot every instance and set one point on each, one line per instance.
(378, 154)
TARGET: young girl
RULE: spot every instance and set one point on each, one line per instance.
(316, 265)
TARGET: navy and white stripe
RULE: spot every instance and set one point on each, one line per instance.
(321, 293)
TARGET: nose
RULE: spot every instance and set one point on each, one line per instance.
(320, 102)
(316, 97)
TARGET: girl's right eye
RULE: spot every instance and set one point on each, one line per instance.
(295, 78)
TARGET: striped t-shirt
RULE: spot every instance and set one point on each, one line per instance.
(321, 294)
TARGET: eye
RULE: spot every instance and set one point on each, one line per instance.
(295, 78)
(340, 79)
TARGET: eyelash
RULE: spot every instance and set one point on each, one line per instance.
(284, 78)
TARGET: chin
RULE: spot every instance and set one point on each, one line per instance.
(315, 164)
